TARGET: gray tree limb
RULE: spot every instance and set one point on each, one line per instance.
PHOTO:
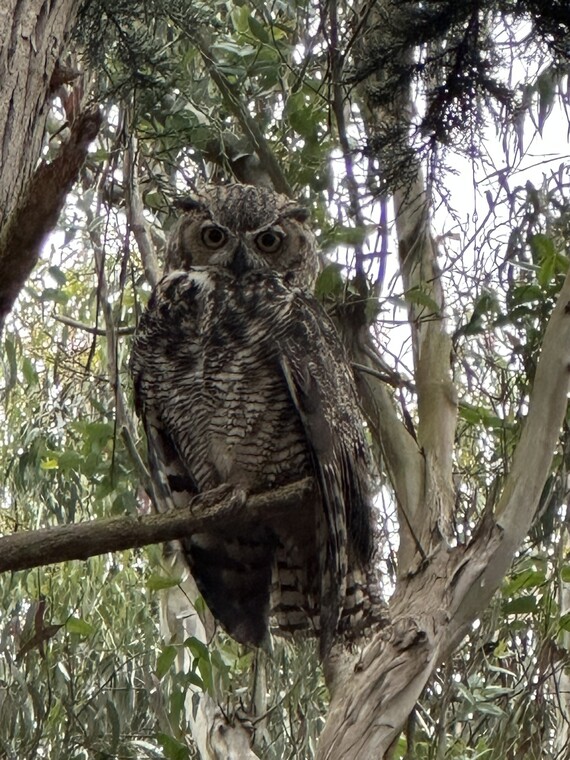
(27, 549)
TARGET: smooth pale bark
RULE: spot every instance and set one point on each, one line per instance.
(432, 609)
(401, 454)
(440, 589)
(135, 215)
(436, 393)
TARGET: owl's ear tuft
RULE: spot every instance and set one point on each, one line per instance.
(299, 213)
(188, 203)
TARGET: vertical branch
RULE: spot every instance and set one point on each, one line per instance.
(437, 396)
(431, 517)
(336, 65)
(135, 216)
(400, 451)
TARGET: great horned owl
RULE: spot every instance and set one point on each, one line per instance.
(241, 379)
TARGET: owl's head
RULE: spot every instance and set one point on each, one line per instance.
(244, 228)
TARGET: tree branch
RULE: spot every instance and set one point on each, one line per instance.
(21, 551)
(135, 215)
(249, 125)
(88, 328)
(402, 455)
(437, 396)
(531, 462)
(432, 516)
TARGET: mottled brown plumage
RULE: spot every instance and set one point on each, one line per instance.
(241, 379)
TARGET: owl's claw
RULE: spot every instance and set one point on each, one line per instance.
(229, 495)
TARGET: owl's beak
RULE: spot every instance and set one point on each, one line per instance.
(240, 262)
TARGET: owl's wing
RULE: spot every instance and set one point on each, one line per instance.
(172, 484)
(320, 382)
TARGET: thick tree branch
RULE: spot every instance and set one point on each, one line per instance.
(37, 212)
(531, 462)
(437, 396)
(432, 609)
(21, 551)
(432, 517)
(402, 456)
(427, 515)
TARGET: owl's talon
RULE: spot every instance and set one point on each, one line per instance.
(234, 496)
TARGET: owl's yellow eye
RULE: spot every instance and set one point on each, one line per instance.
(269, 241)
(213, 236)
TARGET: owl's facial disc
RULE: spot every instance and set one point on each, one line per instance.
(243, 252)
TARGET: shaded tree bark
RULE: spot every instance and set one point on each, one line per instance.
(34, 34)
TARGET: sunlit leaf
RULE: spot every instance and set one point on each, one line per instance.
(165, 660)
(49, 463)
(157, 582)
(79, 626)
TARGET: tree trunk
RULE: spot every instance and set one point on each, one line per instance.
(34, 35)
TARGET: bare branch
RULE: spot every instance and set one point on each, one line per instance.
(88, 328)
(401, 453)
(135, 216)
(28, 549)
(437, 396)
(430, 518)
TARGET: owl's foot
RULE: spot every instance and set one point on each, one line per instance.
(226, 498)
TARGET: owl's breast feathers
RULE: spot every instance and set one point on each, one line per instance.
(244, 381)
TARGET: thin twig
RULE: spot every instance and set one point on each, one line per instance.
(90, 329)
(135, 215)
(390, 378)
